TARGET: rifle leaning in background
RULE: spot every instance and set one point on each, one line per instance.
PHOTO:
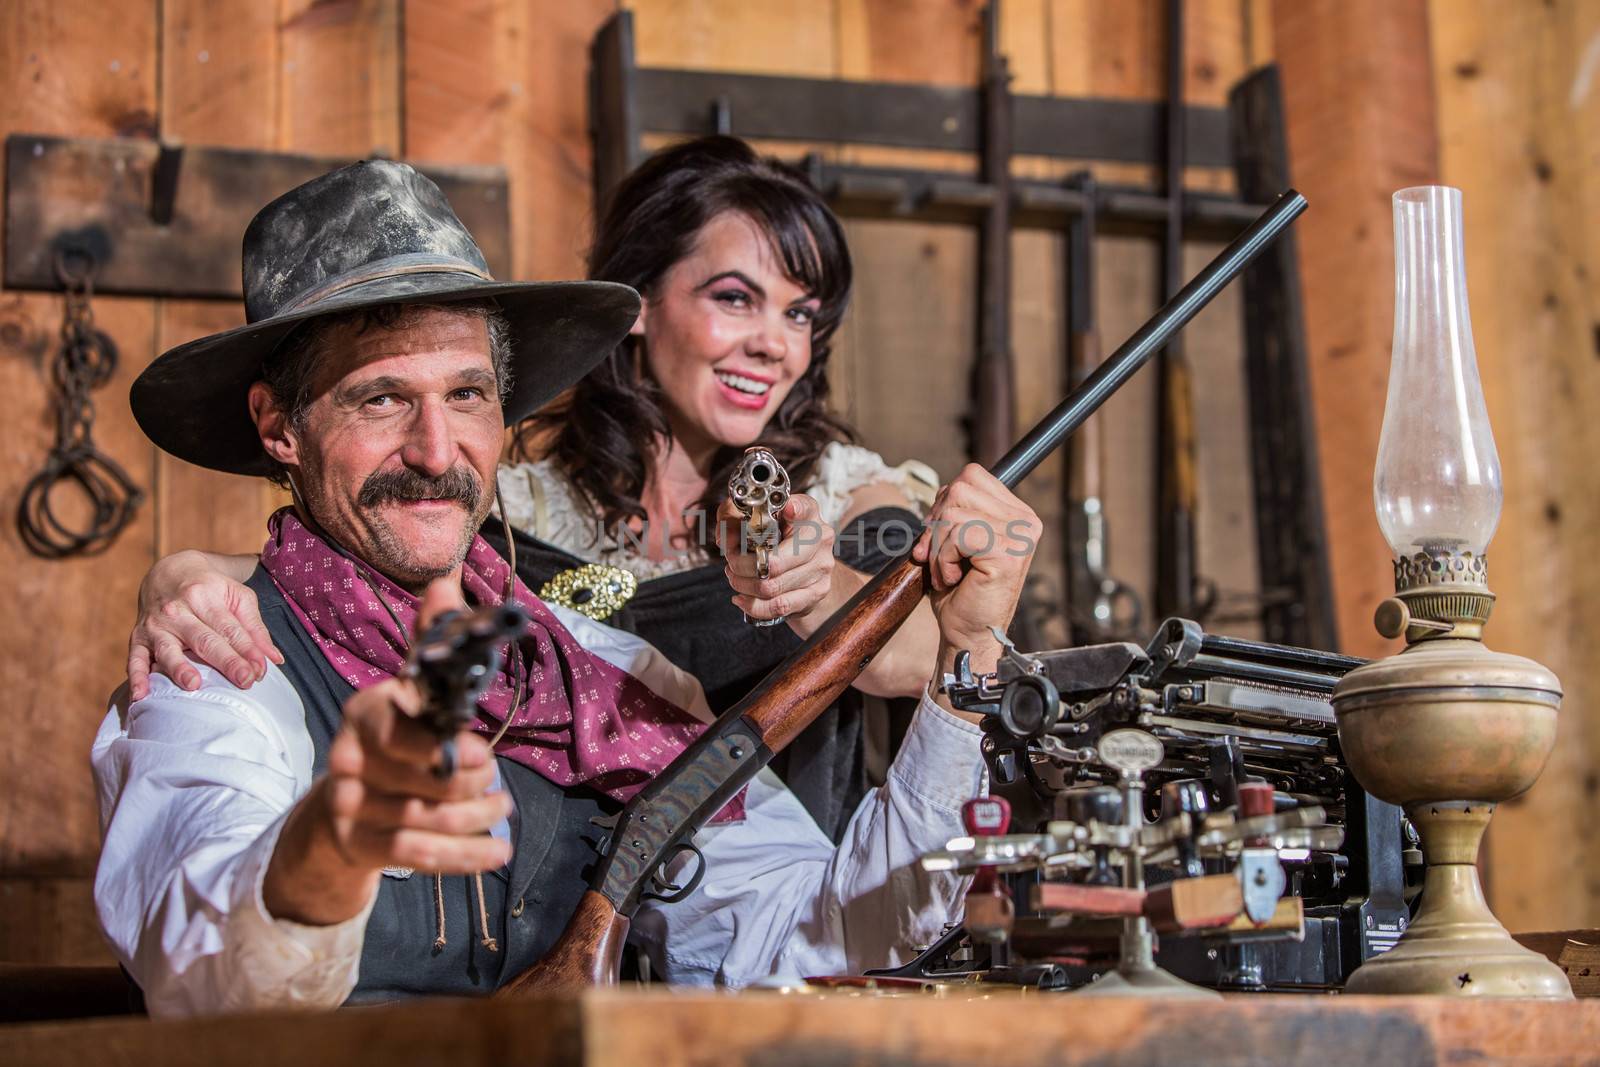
(659, 824)
(1179, 589)
(1099, 608)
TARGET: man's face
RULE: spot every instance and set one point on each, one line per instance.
(395, 456)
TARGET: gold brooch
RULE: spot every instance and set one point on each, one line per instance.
(594, 589)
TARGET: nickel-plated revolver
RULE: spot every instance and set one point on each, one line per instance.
(759, 487)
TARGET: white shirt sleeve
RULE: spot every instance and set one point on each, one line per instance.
(779, 900)
(194, 789)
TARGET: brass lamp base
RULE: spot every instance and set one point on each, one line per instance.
(1444, 720)
(1456, 947)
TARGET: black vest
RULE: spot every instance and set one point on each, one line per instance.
(528, 905)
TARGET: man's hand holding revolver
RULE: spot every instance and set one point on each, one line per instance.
(382, 804)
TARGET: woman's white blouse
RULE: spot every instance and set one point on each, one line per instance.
(541, 502)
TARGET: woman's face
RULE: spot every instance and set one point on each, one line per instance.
(726, 335)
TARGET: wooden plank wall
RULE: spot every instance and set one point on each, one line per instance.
(1503, 102)
(1518, 91)
(503, 81)
(86, 69)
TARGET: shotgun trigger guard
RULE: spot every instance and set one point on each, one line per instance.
(662, 818)
(669, 892)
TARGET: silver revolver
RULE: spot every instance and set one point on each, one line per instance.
(759, 487)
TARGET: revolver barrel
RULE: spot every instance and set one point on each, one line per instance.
(454, 660)
(759, 487)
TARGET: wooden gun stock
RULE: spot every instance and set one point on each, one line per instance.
(586, 954)
(785, 703)
(659, 823)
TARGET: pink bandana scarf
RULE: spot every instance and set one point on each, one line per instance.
(583, 721)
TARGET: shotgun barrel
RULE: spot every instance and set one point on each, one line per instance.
(1149, 338)
(658, 825)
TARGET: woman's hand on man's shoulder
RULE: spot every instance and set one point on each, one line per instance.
(196, 603)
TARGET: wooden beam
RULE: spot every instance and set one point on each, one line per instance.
(457, 82)
(912, 41)
(219, 86)
(548, 152)
(1115, 50)
(915, 304)
(732, 35)
(1039, 330)
(1358, 97)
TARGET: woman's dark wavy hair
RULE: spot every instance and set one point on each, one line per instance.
(602, 433)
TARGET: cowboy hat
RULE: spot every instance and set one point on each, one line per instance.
(366, 235)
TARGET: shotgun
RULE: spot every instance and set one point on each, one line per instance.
(659, 823)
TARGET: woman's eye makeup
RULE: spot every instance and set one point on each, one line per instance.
(737, 298)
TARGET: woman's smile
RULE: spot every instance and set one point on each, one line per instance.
(746, 391)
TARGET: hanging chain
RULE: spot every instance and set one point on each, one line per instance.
(86, 360)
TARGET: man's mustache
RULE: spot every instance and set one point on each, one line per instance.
(405, 485)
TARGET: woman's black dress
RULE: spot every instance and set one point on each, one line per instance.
(690, 618)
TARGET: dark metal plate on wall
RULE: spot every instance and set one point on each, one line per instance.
(168, 221)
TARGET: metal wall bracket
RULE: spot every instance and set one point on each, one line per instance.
(629, 101)
(168, 220)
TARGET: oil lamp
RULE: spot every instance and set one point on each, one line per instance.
(1446, 728)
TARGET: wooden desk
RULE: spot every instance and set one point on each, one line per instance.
(664, 1029)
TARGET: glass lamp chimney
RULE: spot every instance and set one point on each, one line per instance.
(1437, 483)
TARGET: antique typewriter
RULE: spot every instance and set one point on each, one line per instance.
(1235, 761)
